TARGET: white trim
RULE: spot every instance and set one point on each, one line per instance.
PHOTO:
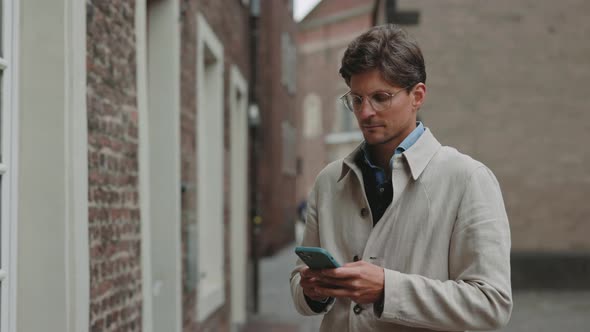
(211, 276)
(144, 169)
(14, 152)
(76, 170)
(9, 64)
(163, 86)
(344, 137)
(238, 194)
(42, 191)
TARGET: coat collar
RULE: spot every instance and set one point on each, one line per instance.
(418, 156)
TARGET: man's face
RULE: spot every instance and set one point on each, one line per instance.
(392, 124)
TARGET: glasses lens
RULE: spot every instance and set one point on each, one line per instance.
(356, 102)
(380, 101)
(347, 101)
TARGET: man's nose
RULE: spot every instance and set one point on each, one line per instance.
(366, 110)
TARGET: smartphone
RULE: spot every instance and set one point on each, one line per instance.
(316, 258)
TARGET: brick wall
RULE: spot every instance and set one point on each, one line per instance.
(114, 214)
(229, 21)
(328, 8)
(114, 219)
(507, 85)
(276, 188)
(320, 53)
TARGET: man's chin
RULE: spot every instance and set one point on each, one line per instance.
(373, 140)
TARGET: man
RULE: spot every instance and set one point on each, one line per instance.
(421, 229)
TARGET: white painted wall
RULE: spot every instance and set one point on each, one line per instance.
(52, 252)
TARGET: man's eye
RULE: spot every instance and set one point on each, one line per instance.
(381, 97)
(357, 100)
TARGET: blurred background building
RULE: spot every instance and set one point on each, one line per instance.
(506, 85)
(328, 131)
(153, 151)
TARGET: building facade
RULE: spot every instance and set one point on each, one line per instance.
(276, 140)
(493, 69)
(131, 147)
(495, 72)
(328, 131)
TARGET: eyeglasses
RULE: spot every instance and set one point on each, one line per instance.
(379, 100)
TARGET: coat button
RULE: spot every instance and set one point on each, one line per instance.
(357, 309)
(364, 212)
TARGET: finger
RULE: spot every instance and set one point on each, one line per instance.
(355, 264)
(336, 282)
(335, 292)
(313, 294)
(308, 273)
(303, 270)
(342, 273)
(308, 282)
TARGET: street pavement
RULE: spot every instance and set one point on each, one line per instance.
(277, 312)
(534, 311)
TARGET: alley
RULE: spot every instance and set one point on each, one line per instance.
(277, 312)
(538, 311)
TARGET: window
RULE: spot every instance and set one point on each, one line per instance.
(289, 152)
(7, 203)
(312, 116)
(288, 63)
(345, 120)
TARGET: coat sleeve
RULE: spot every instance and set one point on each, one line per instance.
(478, 294)
(310, 239)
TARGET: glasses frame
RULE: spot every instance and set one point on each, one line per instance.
(344, 100)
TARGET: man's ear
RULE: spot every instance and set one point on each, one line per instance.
(418, 95)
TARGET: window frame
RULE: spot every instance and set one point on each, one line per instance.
(210, 244)
(288, 63)
(238, 197)
(8, 165)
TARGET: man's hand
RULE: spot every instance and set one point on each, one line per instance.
(360, 281)
(310, 283)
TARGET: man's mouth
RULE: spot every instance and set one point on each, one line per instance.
(371, 126)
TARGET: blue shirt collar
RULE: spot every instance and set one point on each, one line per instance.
(406, 144)
(410, 139)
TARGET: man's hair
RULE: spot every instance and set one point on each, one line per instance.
(389, 49)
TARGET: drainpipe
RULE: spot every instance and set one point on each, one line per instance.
(254, 122)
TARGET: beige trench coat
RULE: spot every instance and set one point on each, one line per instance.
(444, 243)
